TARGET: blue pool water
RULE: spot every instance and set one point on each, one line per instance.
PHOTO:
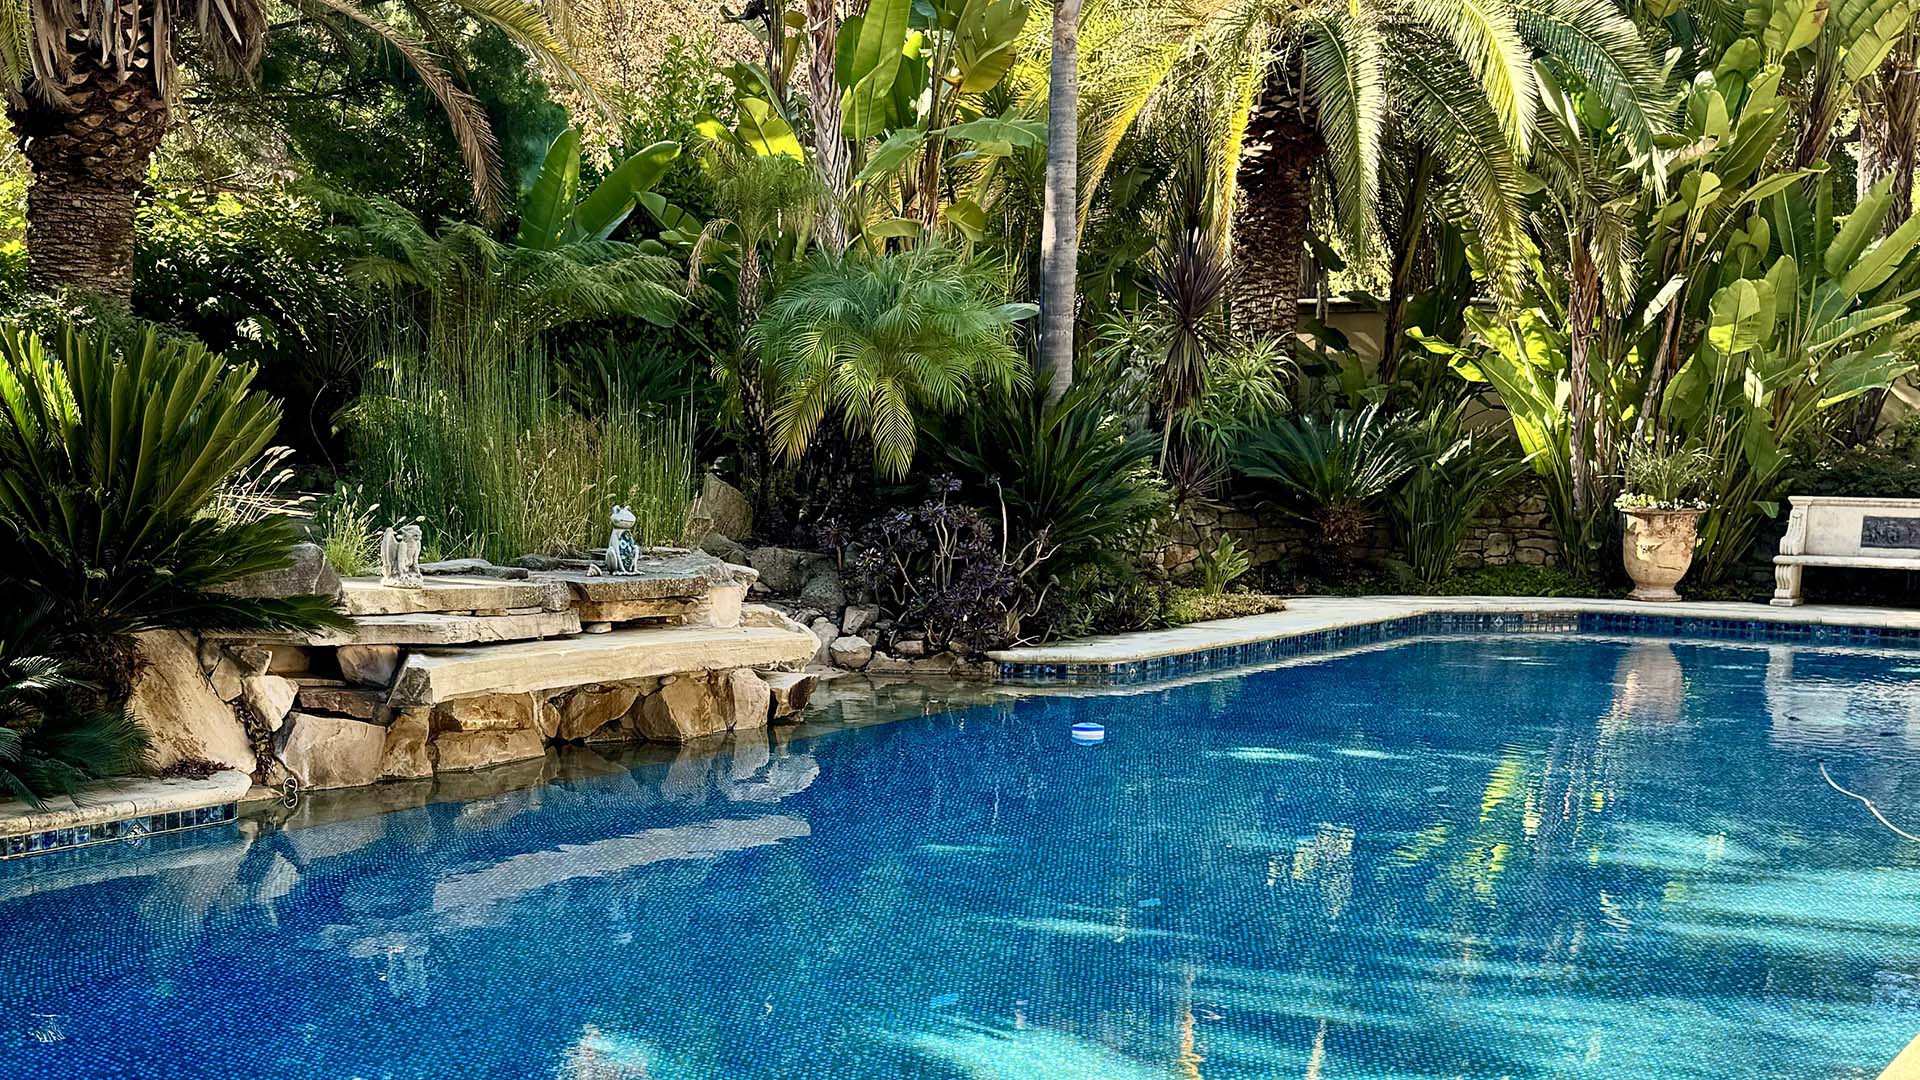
(1509, 856)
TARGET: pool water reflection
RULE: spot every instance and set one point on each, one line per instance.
(1507, 856)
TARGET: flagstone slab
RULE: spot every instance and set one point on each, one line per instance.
(432, 676)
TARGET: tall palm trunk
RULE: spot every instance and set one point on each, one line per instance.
(1271, 218)
(829, 148)
(1889, 129)
(89, 156)
(1060, 225)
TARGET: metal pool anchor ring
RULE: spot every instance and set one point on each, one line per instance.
(1087, 733)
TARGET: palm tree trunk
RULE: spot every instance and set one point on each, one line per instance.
(1400, 287)
(1060, 225)
(89, 159)
(1271, 217)
(829, 147)
(1889, 128)
(1583, 313)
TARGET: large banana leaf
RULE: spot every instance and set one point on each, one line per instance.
(868, 70)
(613, 200)
(984, 40)
(547, 209)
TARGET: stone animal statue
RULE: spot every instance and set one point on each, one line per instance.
(400, 558)
(623, 554)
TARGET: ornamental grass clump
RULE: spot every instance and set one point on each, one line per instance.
(493, 464)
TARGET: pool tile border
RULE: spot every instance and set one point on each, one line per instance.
(1308, 642)
(130, 829)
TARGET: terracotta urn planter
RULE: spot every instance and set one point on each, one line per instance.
(1657, 546)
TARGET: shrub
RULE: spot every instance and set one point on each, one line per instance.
(1332, 472)
(1075, 479)
(54, 733)
(110, 468)
(1198, 605)
(1221, 565)
(1456, 470)
(942, 569)
(874, 343)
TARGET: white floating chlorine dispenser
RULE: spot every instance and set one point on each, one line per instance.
(1087, 733)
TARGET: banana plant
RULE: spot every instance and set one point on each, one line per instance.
(917, 79)
(1783, 352)
(552, 213)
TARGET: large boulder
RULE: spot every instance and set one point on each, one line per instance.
(788, 691)
(724, 547)
(784, 570)
(685, 707)
(404, 756)
(331, 752)
(462, 751)
(185, 719)
(823, 589)
(578, 714)
(721, 508)
(307, 573)
(269, 696)
(485, 712)
(749, 700)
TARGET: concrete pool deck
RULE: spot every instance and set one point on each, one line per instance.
(1316, 614)
(1907, 1065)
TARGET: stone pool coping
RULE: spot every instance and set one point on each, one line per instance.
(1907, 1065)
(1228, 643)
(123, 809)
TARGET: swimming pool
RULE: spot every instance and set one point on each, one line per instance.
(1516, 855)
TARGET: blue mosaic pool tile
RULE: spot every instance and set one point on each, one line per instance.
(131, 829)
(1248, 654)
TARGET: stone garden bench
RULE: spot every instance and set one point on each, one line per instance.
(1874, 534)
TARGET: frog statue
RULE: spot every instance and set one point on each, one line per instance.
(623, 553)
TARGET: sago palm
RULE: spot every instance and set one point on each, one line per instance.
(1295, 87)
(89, 87)
(875, 341)
(110, 463)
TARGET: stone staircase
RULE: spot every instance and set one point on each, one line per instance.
(487, 665)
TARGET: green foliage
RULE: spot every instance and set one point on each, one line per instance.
(1199, 605)
(495, 465)
(1075, 480)
(348, 530)
(1667, 479)
(252, 277)
(872, 343)
(54, 733)
(110, 463)
(553, 213)
(1458, 468)
(1334, 472)
(474, 293)
(1221, 565)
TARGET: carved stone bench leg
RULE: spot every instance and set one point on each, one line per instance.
(1787, 581)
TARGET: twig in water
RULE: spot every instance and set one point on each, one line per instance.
(1897, 830)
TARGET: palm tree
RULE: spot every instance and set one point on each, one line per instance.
(829, 147)
(875, 341)
(1303, 89)
(1059, 229)
(89, 87)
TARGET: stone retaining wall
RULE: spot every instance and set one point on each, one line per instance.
(1514, 528)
